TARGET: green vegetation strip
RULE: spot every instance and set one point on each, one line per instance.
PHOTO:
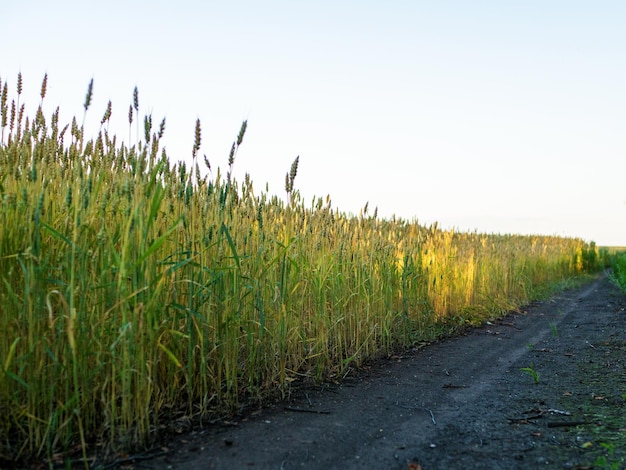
(618, 273)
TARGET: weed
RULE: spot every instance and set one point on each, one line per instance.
(607, 461)
(532, 372)
(553, 328)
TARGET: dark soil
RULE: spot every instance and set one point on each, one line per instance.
(459, 403)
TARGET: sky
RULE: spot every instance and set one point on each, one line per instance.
(488, 116)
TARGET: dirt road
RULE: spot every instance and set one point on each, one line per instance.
(459, 403)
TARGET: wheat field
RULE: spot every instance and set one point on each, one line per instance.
(136, 289)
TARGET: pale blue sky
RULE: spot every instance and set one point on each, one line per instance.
(498, 116)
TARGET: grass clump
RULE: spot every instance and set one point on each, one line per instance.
(532, 372)
(134, 290)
